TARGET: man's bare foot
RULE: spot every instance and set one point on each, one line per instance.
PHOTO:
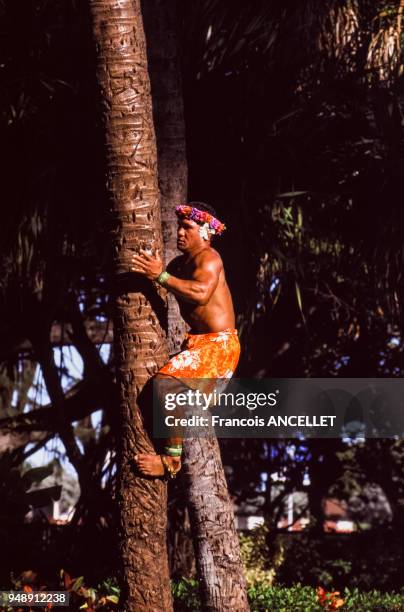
(152, 465)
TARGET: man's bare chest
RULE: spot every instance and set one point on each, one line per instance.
(184, 270)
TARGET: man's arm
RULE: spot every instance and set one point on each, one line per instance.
(198, 289)
(203, 282)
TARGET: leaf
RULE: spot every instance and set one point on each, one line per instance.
(92, 593)
(299, 297)
(291, 194)
(299, 217)
(77, 583)
(113, 598)
(299, 301)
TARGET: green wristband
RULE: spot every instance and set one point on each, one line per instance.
(162, 278)
(173, 451)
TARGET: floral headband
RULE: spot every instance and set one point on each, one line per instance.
(210, 225)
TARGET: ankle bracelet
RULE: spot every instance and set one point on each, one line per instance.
(174, 450)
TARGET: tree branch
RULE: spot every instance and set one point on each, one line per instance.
(85, 398)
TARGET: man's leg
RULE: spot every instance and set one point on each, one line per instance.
(170, 461)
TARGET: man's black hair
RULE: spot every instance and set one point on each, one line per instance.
(204, 207)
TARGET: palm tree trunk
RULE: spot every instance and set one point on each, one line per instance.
(160, 19)
(220, 570)
(161, 22)
(139, 344)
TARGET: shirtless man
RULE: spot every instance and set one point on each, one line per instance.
(211, 349)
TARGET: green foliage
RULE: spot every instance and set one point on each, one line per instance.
(260, 558)
(330, 560)
(262, 598)
(334, 561)
(297, 598)
(103, 597)
(283, 599)
(186, 595)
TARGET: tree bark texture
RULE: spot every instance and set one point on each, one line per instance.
(139, 342)
(220, 570)
(160, 22)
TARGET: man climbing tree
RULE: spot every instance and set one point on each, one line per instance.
(211, 351)
(139, 344)
(212, 348)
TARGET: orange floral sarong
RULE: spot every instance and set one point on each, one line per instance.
(212, 355)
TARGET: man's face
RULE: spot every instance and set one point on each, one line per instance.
(188, 236)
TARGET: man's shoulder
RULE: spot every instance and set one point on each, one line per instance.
(208, 256)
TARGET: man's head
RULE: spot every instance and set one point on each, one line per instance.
(203, 207)
(197, 223)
